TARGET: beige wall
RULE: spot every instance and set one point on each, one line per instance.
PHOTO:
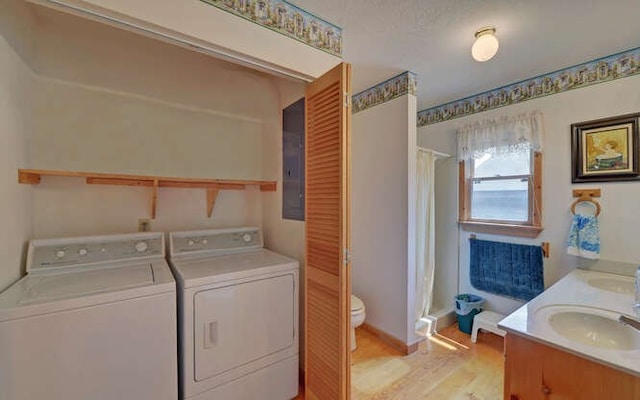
(620, 216)
(106, 100)
(113, 101)
(92, 129)
(201, 24)
(446, 257)
(15, 83)
(69, 207)
(383, 238)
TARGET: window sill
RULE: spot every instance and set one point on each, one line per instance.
(528, 231)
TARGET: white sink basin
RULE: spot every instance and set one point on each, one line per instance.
(590, 326)
(621, 285)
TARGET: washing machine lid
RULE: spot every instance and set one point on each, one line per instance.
(82, 283)
(37, 294)
(82, 272)
(213, 269)
(356, 304)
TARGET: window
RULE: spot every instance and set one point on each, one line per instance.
(500, 181)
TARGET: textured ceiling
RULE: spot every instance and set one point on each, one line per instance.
(433, 38)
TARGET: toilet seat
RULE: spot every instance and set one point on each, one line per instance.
(357, 318)
(356, 305)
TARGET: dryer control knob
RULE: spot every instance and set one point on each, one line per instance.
(246, 237)
(60, 253)
(191, 242)
(205, 241)
(83, 252)
(141, 246)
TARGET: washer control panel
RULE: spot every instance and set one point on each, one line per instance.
(215, 241)
(73, 252)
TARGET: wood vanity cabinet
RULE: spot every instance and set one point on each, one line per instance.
(537, 371)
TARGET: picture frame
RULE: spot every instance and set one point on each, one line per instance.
(605, 150)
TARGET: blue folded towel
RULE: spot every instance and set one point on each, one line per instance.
(584, 237)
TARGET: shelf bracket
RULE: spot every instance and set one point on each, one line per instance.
(212, 194)
(268, 187)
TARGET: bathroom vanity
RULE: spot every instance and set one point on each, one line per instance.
(537, 371)
(567, 343)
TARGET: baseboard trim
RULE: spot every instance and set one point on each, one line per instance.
(391, 340)
(445, 318)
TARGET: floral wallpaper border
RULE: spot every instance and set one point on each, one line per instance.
(605, 69)
(287, 19)
(399, 85)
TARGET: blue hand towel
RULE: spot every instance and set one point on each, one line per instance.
(584, 237)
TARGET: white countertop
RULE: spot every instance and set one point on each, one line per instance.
(530, 321)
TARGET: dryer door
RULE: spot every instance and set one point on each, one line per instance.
(242, 323)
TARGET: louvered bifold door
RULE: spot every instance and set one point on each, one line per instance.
(327, 274)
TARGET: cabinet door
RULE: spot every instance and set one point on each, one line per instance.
(566, 376)
(522, 369)
(327, 271)
(537, 371)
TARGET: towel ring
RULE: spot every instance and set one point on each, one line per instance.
(588, 200)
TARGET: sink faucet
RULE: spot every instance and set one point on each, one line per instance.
(630, 321)
(627, 319)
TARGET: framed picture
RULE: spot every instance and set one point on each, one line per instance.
(605, 149)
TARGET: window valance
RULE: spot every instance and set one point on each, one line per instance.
(521, 133)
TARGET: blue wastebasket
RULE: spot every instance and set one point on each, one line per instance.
(467, 306)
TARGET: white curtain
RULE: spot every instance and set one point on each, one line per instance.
(425, 232)
(507, 134)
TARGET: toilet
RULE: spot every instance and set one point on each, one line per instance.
(357, 318)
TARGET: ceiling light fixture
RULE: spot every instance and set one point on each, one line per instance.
(486, 44)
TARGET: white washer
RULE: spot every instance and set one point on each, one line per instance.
(94, 318)
(238, 316)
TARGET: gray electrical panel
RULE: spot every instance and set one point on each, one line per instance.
(293, 161)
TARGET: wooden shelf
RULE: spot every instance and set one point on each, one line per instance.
(212, 186)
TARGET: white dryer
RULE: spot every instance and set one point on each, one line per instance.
(238, 316)
(94, 318)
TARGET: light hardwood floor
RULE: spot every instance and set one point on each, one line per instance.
(447, 366)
